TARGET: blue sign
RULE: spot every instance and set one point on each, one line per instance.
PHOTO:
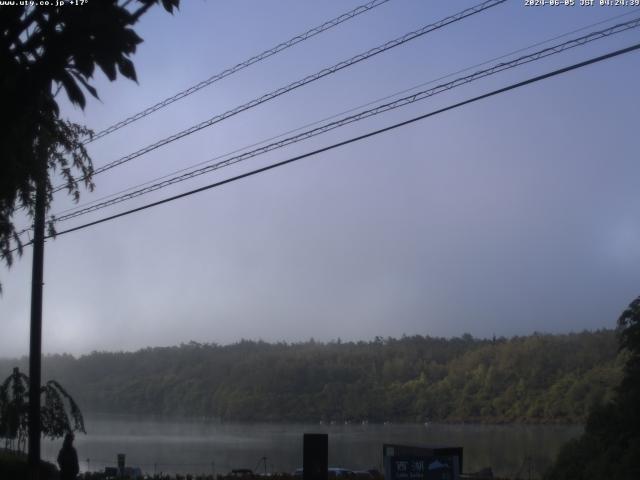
(422, 463)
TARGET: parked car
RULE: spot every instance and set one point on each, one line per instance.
(334, 472)
(363, 475)
(341, 472)
(241, 472)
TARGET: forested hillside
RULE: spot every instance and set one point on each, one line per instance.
(539, 378)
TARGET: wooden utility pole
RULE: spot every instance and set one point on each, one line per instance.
(35, 343)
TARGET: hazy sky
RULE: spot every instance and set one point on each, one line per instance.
(511, 215)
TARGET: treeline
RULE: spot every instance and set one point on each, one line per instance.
(538, 378)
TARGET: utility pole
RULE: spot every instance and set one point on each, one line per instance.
(35, 343)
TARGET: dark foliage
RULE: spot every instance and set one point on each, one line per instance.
(14, 399)
(610, 446)
(539, 378)
(59, 413)
(13, 465)
(44, 50)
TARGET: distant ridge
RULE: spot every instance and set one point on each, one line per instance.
(540, 378)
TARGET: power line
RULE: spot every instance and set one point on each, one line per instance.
(360, 137)
(336, 115)
(422, 95)
(240, 66)
(615, 17)
(299, 83)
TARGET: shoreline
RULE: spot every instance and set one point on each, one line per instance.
(213, 420)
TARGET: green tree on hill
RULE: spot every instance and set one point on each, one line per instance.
(610, 446)
(534, 379)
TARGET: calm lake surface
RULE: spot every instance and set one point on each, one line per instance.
(181, 446)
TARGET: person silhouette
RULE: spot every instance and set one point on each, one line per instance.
(68, 459)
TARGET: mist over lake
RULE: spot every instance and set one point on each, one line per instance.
(204, 408)
(205, 446)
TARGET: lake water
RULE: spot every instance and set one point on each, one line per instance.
(181, 446)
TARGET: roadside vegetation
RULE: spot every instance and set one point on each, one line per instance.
(13, 465)
(610, 445)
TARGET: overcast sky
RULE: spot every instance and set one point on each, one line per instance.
(515, 214)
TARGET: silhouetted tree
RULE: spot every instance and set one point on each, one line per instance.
(13, 408)
(59, 412)
(44, 50)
